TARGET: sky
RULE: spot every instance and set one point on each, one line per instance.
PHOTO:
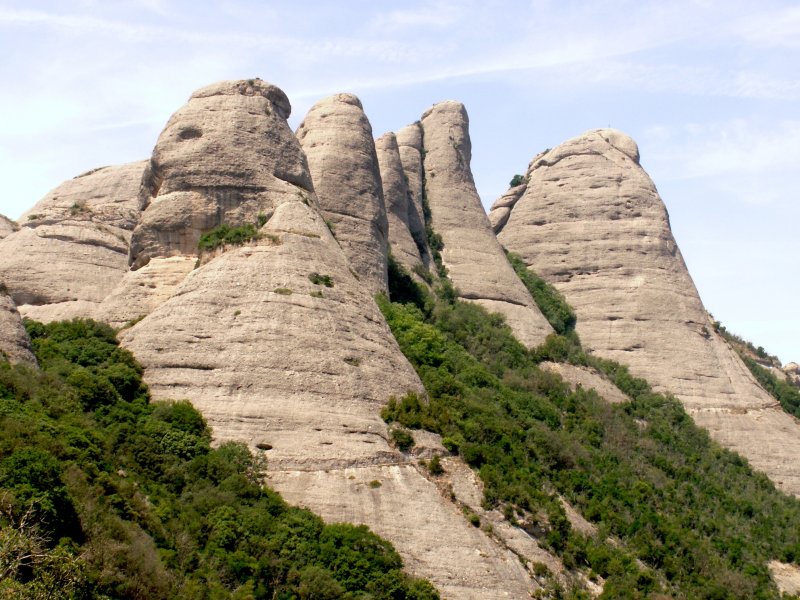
(710, 90)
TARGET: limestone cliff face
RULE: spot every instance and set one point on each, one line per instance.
(592, 223)
(474, 259)
(7, 226)
(72, 247)
(398, 204)
(15, 346)
(228, 155)
(337, 139)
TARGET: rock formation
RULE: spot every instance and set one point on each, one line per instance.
(474, 259)
(228, 155)
(279, 343)
(591, 222)
(141, 291)
(337, 139)
(7, 226)
(15, 346)
(409, 146)
(399, 208)
(72, 247)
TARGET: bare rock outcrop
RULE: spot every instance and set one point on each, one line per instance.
(72, 247)
(399, 209)
(474, 259)
(141, 291)
(462, 561)
(501, 209)
(15, 345)
(592, 223)
(337, 139)
(228, 155)
(7, 226)
(409, 146)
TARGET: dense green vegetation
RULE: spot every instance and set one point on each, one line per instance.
(225, 234)
(690, 519)
(549, 300)
(783, 391)
(106, 495)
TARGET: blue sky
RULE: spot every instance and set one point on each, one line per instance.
(710, 89)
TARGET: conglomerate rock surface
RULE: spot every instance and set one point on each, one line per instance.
(227, 156)
(337, 139)
(409, 146)
(72, 247)
(474, 259)
(15, 345)
(399, 208)
(280, 344)
(592, 223)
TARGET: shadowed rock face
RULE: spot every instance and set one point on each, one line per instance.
(15, 346)
(337, 139)
(73, 245)
(592, 223)
(398, 204)
(7, 226)
(227, 155)
(475, 260)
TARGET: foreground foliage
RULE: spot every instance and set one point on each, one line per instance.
(692, 520)
(104, 495)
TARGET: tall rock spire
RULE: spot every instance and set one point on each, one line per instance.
(399, 208)
(337, 139)
(475, 261)
(592, 223)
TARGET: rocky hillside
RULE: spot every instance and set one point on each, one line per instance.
(241, 264)
(589, 220)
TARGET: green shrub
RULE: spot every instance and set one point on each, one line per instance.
(435, 466)
(318, 279)
(402, 439)
(227, 235)
(549, 300)
(517, 180)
